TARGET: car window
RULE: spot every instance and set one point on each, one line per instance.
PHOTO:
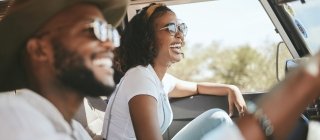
(232, 42)
(306, 18)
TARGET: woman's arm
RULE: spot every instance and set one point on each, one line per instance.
(235, 97)
(185, 88)
(144, 117)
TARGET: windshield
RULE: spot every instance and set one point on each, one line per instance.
(228, 46)
(306, 18)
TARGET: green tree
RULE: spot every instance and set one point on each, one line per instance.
(251, 69)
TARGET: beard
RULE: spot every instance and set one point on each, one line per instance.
(73, 73)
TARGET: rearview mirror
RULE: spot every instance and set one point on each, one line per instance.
(282, 55)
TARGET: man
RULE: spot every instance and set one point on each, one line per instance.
(61, 51)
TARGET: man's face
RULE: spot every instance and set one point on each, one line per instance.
(81, 61)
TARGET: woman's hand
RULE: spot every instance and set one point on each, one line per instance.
(235, 98)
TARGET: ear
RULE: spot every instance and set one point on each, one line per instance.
(38, 50)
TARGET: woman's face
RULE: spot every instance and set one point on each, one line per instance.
(169, 44)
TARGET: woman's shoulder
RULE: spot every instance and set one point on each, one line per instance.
(139, 71)
(140, 74)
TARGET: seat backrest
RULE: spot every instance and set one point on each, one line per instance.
(91, 116)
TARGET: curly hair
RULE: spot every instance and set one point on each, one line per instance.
(138, 38)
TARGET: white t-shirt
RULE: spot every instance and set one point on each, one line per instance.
(313, 130)
(137, 81)
(29, 116)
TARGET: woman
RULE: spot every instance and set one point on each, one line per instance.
(139, 107)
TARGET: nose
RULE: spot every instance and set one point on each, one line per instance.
(108, 45)
(180, 36)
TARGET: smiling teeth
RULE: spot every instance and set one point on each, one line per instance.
(175, 46)
(103, 62)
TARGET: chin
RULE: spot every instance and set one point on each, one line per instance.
(85, 82)
(73, 73)
(177, 60)
(108, 82)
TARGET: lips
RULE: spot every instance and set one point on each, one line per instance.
(176, 47)
(103, 62)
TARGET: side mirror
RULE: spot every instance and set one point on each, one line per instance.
(291, 64)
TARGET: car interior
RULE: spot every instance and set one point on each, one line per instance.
(186, 109)
(91, 113)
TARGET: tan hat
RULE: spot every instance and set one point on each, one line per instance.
(25, 19)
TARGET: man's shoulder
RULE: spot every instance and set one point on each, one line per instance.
(16, 114)
(20, 120)
(9, 101)
(16, 111)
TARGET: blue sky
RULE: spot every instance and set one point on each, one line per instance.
(308, 15)
(229, 22)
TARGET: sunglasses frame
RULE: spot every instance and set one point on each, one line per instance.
(101, 30)
(174, 28)
(105, 32)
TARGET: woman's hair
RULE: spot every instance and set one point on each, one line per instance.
(137, 40)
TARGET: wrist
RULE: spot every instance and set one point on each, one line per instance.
(262, 119)
(233, 90)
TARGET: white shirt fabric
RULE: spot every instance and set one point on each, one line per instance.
(313, 130)
(29, 116)
(139, 80)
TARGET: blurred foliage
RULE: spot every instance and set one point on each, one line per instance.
(252, 69)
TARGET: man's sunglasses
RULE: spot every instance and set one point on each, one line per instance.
(173, 28)
(105, 32)
(100, 29)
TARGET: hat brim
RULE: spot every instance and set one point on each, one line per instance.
(25, 19)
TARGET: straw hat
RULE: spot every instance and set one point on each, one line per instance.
(25, 18)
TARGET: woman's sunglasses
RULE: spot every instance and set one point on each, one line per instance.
(173, 28)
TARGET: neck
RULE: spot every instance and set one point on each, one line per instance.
(160, 70)
(67, 103)
(65, 100)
